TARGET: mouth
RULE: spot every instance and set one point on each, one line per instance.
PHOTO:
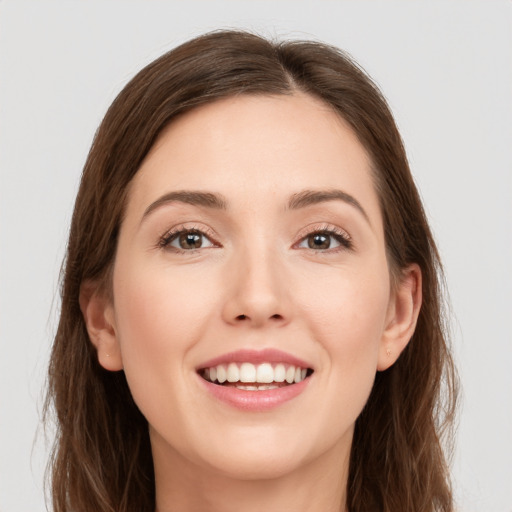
(247, 376)
(255, 380)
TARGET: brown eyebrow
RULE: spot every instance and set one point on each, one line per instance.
(217, 202)
(311, 197)
(206, 199)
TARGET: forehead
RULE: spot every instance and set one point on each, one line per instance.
(249, 147)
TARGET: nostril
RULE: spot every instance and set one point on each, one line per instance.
(276, 316)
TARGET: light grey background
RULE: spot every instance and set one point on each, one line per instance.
(445, 68)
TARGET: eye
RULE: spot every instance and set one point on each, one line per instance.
(324, 240)
(186, 240)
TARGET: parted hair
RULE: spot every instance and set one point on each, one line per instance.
(101, 460)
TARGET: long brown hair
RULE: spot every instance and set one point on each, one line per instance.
(102, 458)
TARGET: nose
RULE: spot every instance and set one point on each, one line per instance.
(256, 291)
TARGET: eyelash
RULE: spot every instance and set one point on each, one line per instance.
(327, 230)
(341, 236)
(170, 236)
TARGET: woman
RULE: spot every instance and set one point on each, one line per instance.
(251, 309)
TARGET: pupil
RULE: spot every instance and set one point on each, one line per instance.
(190, 240)
(319, 241)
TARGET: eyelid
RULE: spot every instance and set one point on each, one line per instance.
(330, 229)
(165, 239)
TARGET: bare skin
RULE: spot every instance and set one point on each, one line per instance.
(183, 490)
(286, 252)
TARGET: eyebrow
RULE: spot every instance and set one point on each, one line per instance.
(312, 197)
(297, 201)
(205, 199)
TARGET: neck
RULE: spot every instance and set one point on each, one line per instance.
(185, 487)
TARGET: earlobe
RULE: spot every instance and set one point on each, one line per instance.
(98, 314)
(404, 308)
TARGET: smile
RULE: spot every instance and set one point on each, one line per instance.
(251, 377)
(255, 380)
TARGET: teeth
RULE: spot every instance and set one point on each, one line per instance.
(221, 373)
(256, 388)
(233, 373)
(264, 373)
(248, 373)
(279, 373)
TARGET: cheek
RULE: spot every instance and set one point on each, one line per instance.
(159, 318)
(348, 309)
(347, 318)
(158, 307)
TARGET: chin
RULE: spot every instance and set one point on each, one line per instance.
(261, 452)
(262, 464)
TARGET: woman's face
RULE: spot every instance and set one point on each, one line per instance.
(252, 244)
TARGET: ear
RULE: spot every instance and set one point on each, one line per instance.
(98, 313)
(403, 311)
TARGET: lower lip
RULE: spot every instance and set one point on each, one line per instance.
(256, 401)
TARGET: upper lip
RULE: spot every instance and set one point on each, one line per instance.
(269, 355)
